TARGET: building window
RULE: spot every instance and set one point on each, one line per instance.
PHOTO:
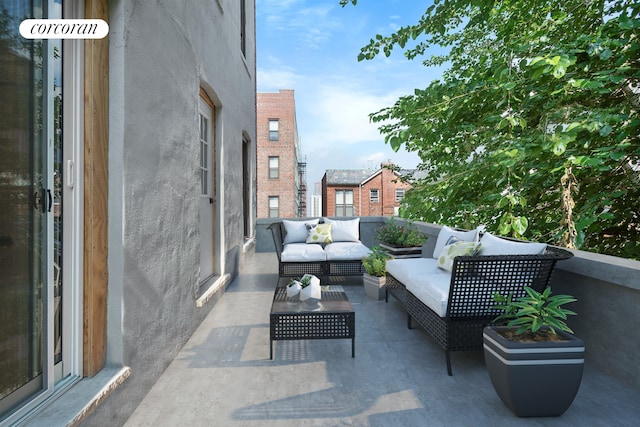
(274, 167)
(246, 186)
(274, 206)
(344, 203)
(374, 196)
(273, 129)
(243, 28)
(399, 194)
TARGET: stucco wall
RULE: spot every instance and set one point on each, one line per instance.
(161, 54)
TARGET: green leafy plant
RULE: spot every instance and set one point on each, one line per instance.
(304, 281)
(537, 100)
(376, 263)
(401, 236)
(535, 315)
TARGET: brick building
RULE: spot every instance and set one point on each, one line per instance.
(280, 167)
(362, 192)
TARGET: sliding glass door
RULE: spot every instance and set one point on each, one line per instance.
(31, 206)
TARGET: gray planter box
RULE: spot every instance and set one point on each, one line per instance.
(374, 286)
(538, 379)
(412, 252)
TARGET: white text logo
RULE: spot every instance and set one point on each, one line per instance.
(64, 29)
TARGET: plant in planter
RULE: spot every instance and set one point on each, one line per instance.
(535, 362)
(293, 288)
(310, 291)
(400, 240)
(375, 267)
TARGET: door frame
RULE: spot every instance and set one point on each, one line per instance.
(204, 97)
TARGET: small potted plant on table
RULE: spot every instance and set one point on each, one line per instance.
(310, 290)
(534, 362)
(401, 241)
(374, 278)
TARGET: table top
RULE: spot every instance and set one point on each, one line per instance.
(333, 300)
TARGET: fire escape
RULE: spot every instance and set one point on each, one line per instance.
(302, 188)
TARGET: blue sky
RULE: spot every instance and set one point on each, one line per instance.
(311, 46)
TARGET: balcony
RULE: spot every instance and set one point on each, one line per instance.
(223, 375)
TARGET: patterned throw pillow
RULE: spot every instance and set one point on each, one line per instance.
(320, 233)
(445, 235)
(454, 249)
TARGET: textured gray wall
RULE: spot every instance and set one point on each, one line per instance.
(608, 307)
(161, 53)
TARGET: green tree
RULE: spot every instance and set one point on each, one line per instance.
(533, 129)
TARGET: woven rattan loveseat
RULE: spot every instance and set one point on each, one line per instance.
(456, 322)
(342, 257)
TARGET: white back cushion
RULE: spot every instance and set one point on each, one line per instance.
(494, 245)
(446, 233)
(344, 230)
(296, 231)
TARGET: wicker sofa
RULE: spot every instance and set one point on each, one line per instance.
(342, 257)
(454, 307)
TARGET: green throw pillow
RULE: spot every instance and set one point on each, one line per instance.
(321, 233)
(449, 252)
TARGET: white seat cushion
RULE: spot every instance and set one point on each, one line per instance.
(302, 252)
(346, 251)
(423, 278)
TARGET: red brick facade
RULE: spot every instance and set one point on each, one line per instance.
(281, 107)
(364, 201)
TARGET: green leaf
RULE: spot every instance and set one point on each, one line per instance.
(605, 130)
(605, 54)
(520, 225)
(561, 68)
(559, 147)
(505, 224)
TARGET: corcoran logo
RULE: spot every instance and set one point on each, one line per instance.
(64, 29)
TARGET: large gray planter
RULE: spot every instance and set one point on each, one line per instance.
(538, 379)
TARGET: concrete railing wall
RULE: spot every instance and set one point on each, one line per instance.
(607, 289)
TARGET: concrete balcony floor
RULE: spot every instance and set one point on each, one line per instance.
(223, 375)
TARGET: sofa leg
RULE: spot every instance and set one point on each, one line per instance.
(448, 356)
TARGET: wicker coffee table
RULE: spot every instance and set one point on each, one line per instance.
(293, 320)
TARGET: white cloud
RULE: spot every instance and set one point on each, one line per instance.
(311, 46)
(335, 131)
(272, 80)
(312, 26)
(337, 112)
(372, 161)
